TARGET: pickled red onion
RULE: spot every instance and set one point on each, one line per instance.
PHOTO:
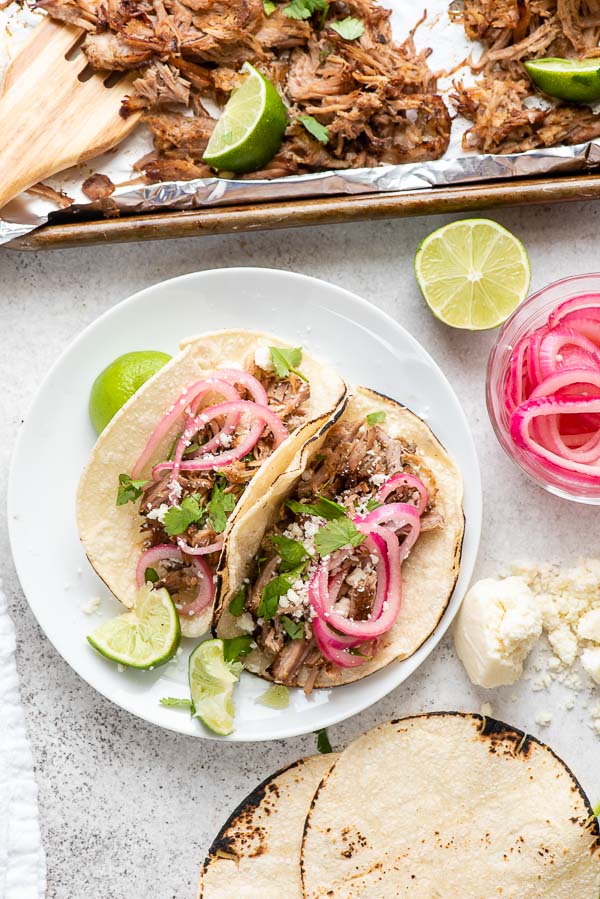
(552, 391)
(404, 480)
(165, 552)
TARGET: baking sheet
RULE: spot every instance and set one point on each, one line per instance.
(449, 48)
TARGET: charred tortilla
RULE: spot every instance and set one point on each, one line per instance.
(450, 805)
(112, 534)
(428, 575)
(257, 851)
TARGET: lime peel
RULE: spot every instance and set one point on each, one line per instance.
(212, 681)
(574, 80)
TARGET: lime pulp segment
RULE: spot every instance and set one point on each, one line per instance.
(472, 273)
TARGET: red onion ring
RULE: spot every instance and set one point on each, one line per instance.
(206, 587)
(404, 480)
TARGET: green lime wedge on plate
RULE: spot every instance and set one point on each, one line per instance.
(251, 127)
(575, 80)
(119, 381)
(145, 637)
(472, 273)
(212, 680)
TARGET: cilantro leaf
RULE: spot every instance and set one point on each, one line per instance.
(323, 508)
(337, 533)
(374, 418)
(373, 504)
(269, 7)
(220, 503)
(292, 552)
(286, 361)
(304, 9)
(269, 599)
(178, 518)
(294, 629)
(129, 491)
(236, 647)
(321, 132)
(323, 744)
(236, 606)
(349, 28)
(172, 702)
(151, 576)
(356, 652)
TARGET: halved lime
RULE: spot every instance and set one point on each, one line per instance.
(145, 637)
(212, 680)
(472, 273)
(119, 381)
(575, 80)
(251, 127)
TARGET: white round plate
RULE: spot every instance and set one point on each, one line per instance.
(366, 345)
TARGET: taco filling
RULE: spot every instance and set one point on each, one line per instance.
(326, 583)
(230, 424)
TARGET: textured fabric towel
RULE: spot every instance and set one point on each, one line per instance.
(22, 860)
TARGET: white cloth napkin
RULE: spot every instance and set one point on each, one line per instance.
(22, 859)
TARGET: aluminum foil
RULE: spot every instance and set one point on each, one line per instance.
(449, 47)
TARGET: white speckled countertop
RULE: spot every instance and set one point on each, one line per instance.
(127, 811)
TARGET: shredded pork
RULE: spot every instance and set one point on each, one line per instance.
(377, 98)
(349, 469)
(506, 114)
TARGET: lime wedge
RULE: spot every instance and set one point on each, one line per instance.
(472, 273)
(212, 680)
(145, 637)
(119, 381)
(251, 127)
(575, 80)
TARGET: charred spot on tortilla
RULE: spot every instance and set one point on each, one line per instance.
(321, 514)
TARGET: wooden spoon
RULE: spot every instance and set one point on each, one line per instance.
(55, 112)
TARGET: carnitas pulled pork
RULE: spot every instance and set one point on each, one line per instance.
(360, 473)
(505, 118)
(378, 99)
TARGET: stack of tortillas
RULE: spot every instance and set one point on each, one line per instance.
(441, 805)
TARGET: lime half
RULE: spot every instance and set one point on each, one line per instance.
(145, 637)
(472, 273)
(212, 680)
(575, 80)
(251, 127)
(119, 381)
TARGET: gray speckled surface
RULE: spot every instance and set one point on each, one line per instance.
(127, 810)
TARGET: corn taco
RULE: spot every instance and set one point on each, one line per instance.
(350, 560)
(196, 445)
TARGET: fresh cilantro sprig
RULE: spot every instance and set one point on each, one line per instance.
(321, 132)
(349, 28)
(151, 576)
(323, 744)
(269, 7)
(219, 505)
(286, 361)
(178, 518)
(375, 418)
(236, 647)
(373, 504)
(294, 629)
(279, 586)
(291, 552)
(337, 533)
(238, 600)
(129, 491)
(304, 9)
(173, 702)
(323, 508)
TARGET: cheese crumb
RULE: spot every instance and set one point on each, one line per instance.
(158, 514)
(92, 606)
(590, 659)
(543, 719)
(262, 357)
(487, 709)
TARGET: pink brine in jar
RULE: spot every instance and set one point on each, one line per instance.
(543, 387)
